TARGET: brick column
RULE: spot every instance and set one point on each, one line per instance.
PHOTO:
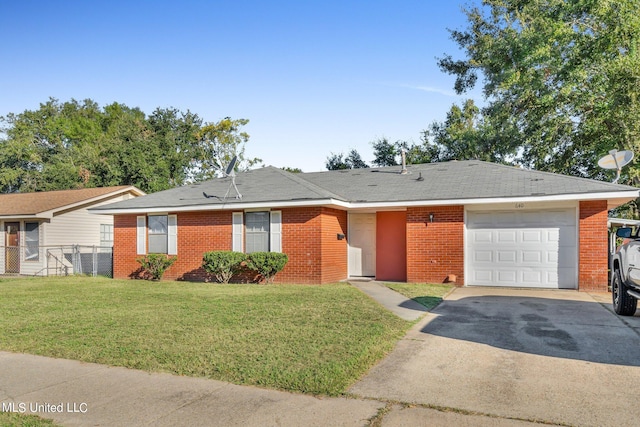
(435, 249)
(593, 246)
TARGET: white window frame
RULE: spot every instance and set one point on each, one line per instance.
(142, 234)
(239, 231)
(32, 243)
(106, 230)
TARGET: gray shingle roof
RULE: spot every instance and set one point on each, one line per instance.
(453, 180)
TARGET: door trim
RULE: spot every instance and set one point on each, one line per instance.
(351, 270)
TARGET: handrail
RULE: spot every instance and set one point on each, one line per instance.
(64, 268)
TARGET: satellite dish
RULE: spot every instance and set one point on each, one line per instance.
(616, 160)
(230, 171)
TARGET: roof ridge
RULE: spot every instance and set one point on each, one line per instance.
(322, 191)
(112, 187)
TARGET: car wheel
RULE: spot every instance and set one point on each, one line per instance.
(623, 303)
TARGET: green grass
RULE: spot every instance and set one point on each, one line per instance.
(14, 419)
(429, 295)
(312, 339)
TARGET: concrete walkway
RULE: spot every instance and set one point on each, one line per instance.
(398, 304)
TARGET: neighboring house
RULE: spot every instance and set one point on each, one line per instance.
(33, 223)
(484, 223)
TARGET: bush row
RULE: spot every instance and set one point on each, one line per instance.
(223, 265)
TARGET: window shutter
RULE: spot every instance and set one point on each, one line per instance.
(238, 225)
(172, 235)
(275, 228)
(141, 234)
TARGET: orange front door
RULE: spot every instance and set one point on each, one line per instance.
(12, 247)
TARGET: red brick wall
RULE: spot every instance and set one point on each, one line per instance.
(309, 238)
(124, 246)
(301, 242)
(198, 232)
(435, 250)
(593, 249)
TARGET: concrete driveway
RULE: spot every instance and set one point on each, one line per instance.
(559, 357)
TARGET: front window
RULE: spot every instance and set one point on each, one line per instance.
(257, 228)
(32, 239)
(158, 234)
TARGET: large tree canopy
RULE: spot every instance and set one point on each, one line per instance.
(561, 80)
(77, 144)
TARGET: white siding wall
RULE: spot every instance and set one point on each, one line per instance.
(78, 227)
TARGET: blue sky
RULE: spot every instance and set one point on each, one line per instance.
(313, 77)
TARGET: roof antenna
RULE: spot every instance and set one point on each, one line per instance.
(616, 160)
(404, 162)
(230, 171)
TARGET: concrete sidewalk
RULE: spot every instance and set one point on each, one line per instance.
(398, 304)
(88, 394)
(92, 394)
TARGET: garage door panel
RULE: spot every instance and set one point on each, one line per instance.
(532, 256)
(505, 277)
(531, 277)
(523, 248)
(507, 236)
(483, 276)
(483, 256)
(531, 236)
(483, 236)
(507, 257)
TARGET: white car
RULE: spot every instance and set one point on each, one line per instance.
(625, 273)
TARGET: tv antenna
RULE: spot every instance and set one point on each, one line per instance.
(230, 171)
(616, 160)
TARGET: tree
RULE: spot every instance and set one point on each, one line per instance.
(466, 135)
(385, 153)
(561, 79)
(175, 133)
(218, 144)
(292, 170)
(353, 160)
(77, 144)
(336, 162)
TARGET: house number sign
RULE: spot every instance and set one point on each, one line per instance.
(519, 205)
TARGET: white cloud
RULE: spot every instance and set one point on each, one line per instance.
(433, 90)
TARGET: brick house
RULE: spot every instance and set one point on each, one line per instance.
(484, 223)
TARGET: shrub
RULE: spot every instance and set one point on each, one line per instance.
(154, 265)
(223, 264)
(267, 264)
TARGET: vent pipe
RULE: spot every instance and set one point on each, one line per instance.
(404, 163)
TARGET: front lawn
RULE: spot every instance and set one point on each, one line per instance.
(427, 294)
(312, 339)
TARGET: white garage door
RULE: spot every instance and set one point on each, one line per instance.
(522, 248)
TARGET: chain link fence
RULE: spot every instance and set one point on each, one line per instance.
(78, 259)
(37, 260)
